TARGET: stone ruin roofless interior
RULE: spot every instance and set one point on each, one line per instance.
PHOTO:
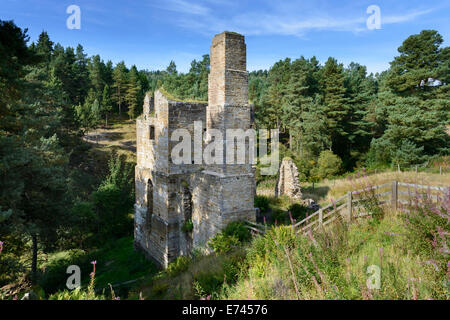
(167, 194)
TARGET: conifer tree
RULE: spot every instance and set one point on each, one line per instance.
(106, 103)
(96, 75)
(132, 92)
(336, 107)
(32, 162)
(120, 78)
(415, 94)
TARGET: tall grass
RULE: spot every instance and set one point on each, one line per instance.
(342, 186)
(411, 250)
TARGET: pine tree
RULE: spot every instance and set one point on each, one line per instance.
(361, 92)
(120, 78)
(414, 71)
(44, 48)
(315, 136)
(172, 68)
(296, 100)
(132, 92)
(415, 95)
(88, 113)
(96, 75)
(106, 103)
(278, 79)
(80, 70)
(336, 107)
(32, 162)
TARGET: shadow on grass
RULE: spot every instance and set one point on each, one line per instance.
(317, 193)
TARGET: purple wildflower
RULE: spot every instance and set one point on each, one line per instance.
(93, 263)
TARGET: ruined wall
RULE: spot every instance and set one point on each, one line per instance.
(225, 191)
(182, 115)
(168, 194)
(288, 183)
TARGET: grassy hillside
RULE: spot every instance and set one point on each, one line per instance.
(334, 264)
(410, 250)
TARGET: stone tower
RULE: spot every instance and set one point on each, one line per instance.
(169, 196)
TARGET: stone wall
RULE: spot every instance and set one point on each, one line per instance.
(167, 194)
(287, 183)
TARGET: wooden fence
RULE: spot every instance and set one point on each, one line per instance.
(397, 195)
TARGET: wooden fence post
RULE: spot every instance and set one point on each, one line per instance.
(349, 205)
(320, 217)
(394, 195)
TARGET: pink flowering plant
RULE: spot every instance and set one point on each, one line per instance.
(428, 225)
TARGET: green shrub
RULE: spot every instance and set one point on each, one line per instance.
(76, 294)
(188, 226)
(280, 216)
(223, 243)
(298, 211)
(55, 275)
(329, 164)
(207, 284)
(262, 202)
(238, 230)
(233, 265)
(181, 264)
(114, 200)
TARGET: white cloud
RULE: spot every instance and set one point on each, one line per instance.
(405, 17)
(282, 20)
(184, 7)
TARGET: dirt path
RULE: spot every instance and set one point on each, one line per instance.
(121, 135)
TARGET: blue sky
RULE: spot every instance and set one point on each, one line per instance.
(150, 33)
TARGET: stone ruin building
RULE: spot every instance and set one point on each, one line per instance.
(167, 194)
(288, 183)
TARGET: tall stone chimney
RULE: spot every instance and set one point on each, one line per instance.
(228, 106)
(228, 79)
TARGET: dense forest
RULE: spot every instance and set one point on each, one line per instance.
(343, 117)
(330, 116)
